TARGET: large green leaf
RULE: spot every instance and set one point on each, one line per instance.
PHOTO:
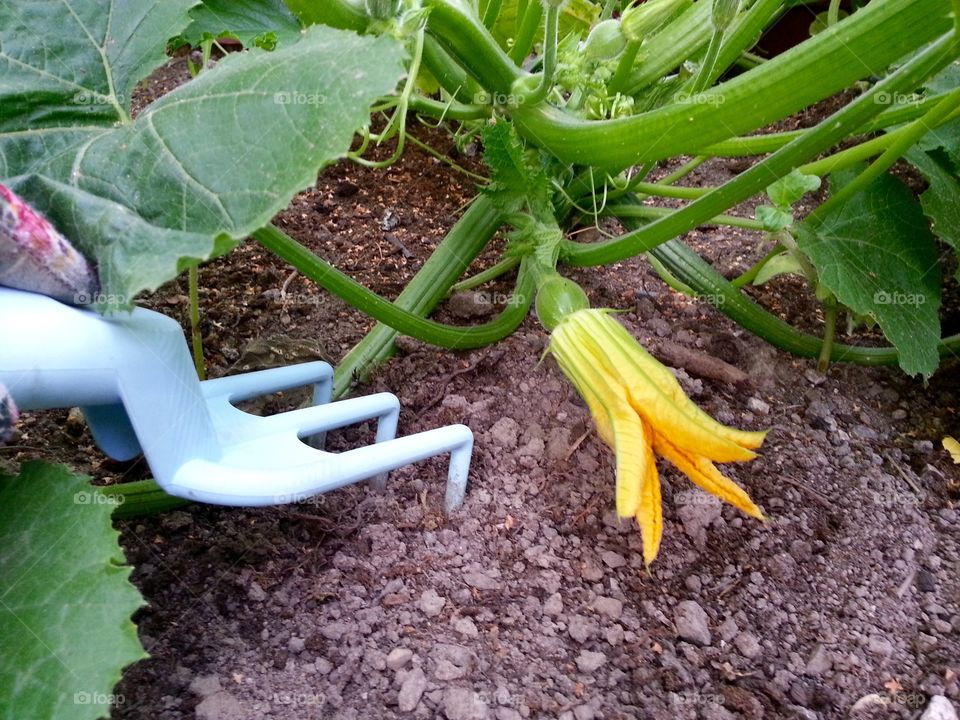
(876, 254)
(65, 602)
(941, 200)
(199, 169)
(252, 22)
(75, 62)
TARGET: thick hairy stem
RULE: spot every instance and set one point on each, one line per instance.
(348, 289)
(689, 268)
(875, 37)
(813, 141)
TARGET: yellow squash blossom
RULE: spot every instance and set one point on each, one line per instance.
(641, 410)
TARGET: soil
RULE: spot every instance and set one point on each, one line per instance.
(532, 601)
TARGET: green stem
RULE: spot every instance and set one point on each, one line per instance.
(671, 47)
(523, 42)
(833, 12)
(829, 336)
(682, 171)
(369, 303)
(705, 74)
(482, 278)
(669, 278)
(196, 338)
(491, 13)
(549, 56)
(755, 179)
(452, 78)
(671, 191)
(903, 141)
(447, 161)
(652, 212)
(745, 32)
(143, 497)
(691, 269)
(876, 36)
(465, 241)
(771, 142)
(452, 110)
(624, 66)
(754, 270)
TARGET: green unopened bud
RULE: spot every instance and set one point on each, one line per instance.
(605, 41)
(639, 21)
(723, 12)
(558, 297)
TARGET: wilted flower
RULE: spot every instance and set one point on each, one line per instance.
(641, 410)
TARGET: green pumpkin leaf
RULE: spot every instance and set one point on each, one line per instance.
(876, 254)
(249, 21)
(790, 188)
(66, 599)
(941, 200)
(199, 169)
(786, 263)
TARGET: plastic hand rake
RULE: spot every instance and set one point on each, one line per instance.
(133, 377)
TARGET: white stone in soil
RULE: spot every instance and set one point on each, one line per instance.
(581, 628)
(608, 607)
(411, 690)
(820, 661)
(505, 432)
(692, 623)
(205, 685)
(464, 704)
(748, 645)
(939, 709)
(553, 605)
(588, 661)
(220, 706)
(466, 627)
(430, 603)
(399, 658)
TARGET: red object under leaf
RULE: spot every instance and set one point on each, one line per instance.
(35, 256)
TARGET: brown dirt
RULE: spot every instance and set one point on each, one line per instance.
(532, 601)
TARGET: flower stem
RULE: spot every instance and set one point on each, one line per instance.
(196, 338)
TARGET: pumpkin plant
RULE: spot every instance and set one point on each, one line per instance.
(577, 102)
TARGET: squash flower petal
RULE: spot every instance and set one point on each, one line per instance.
(641, 411)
